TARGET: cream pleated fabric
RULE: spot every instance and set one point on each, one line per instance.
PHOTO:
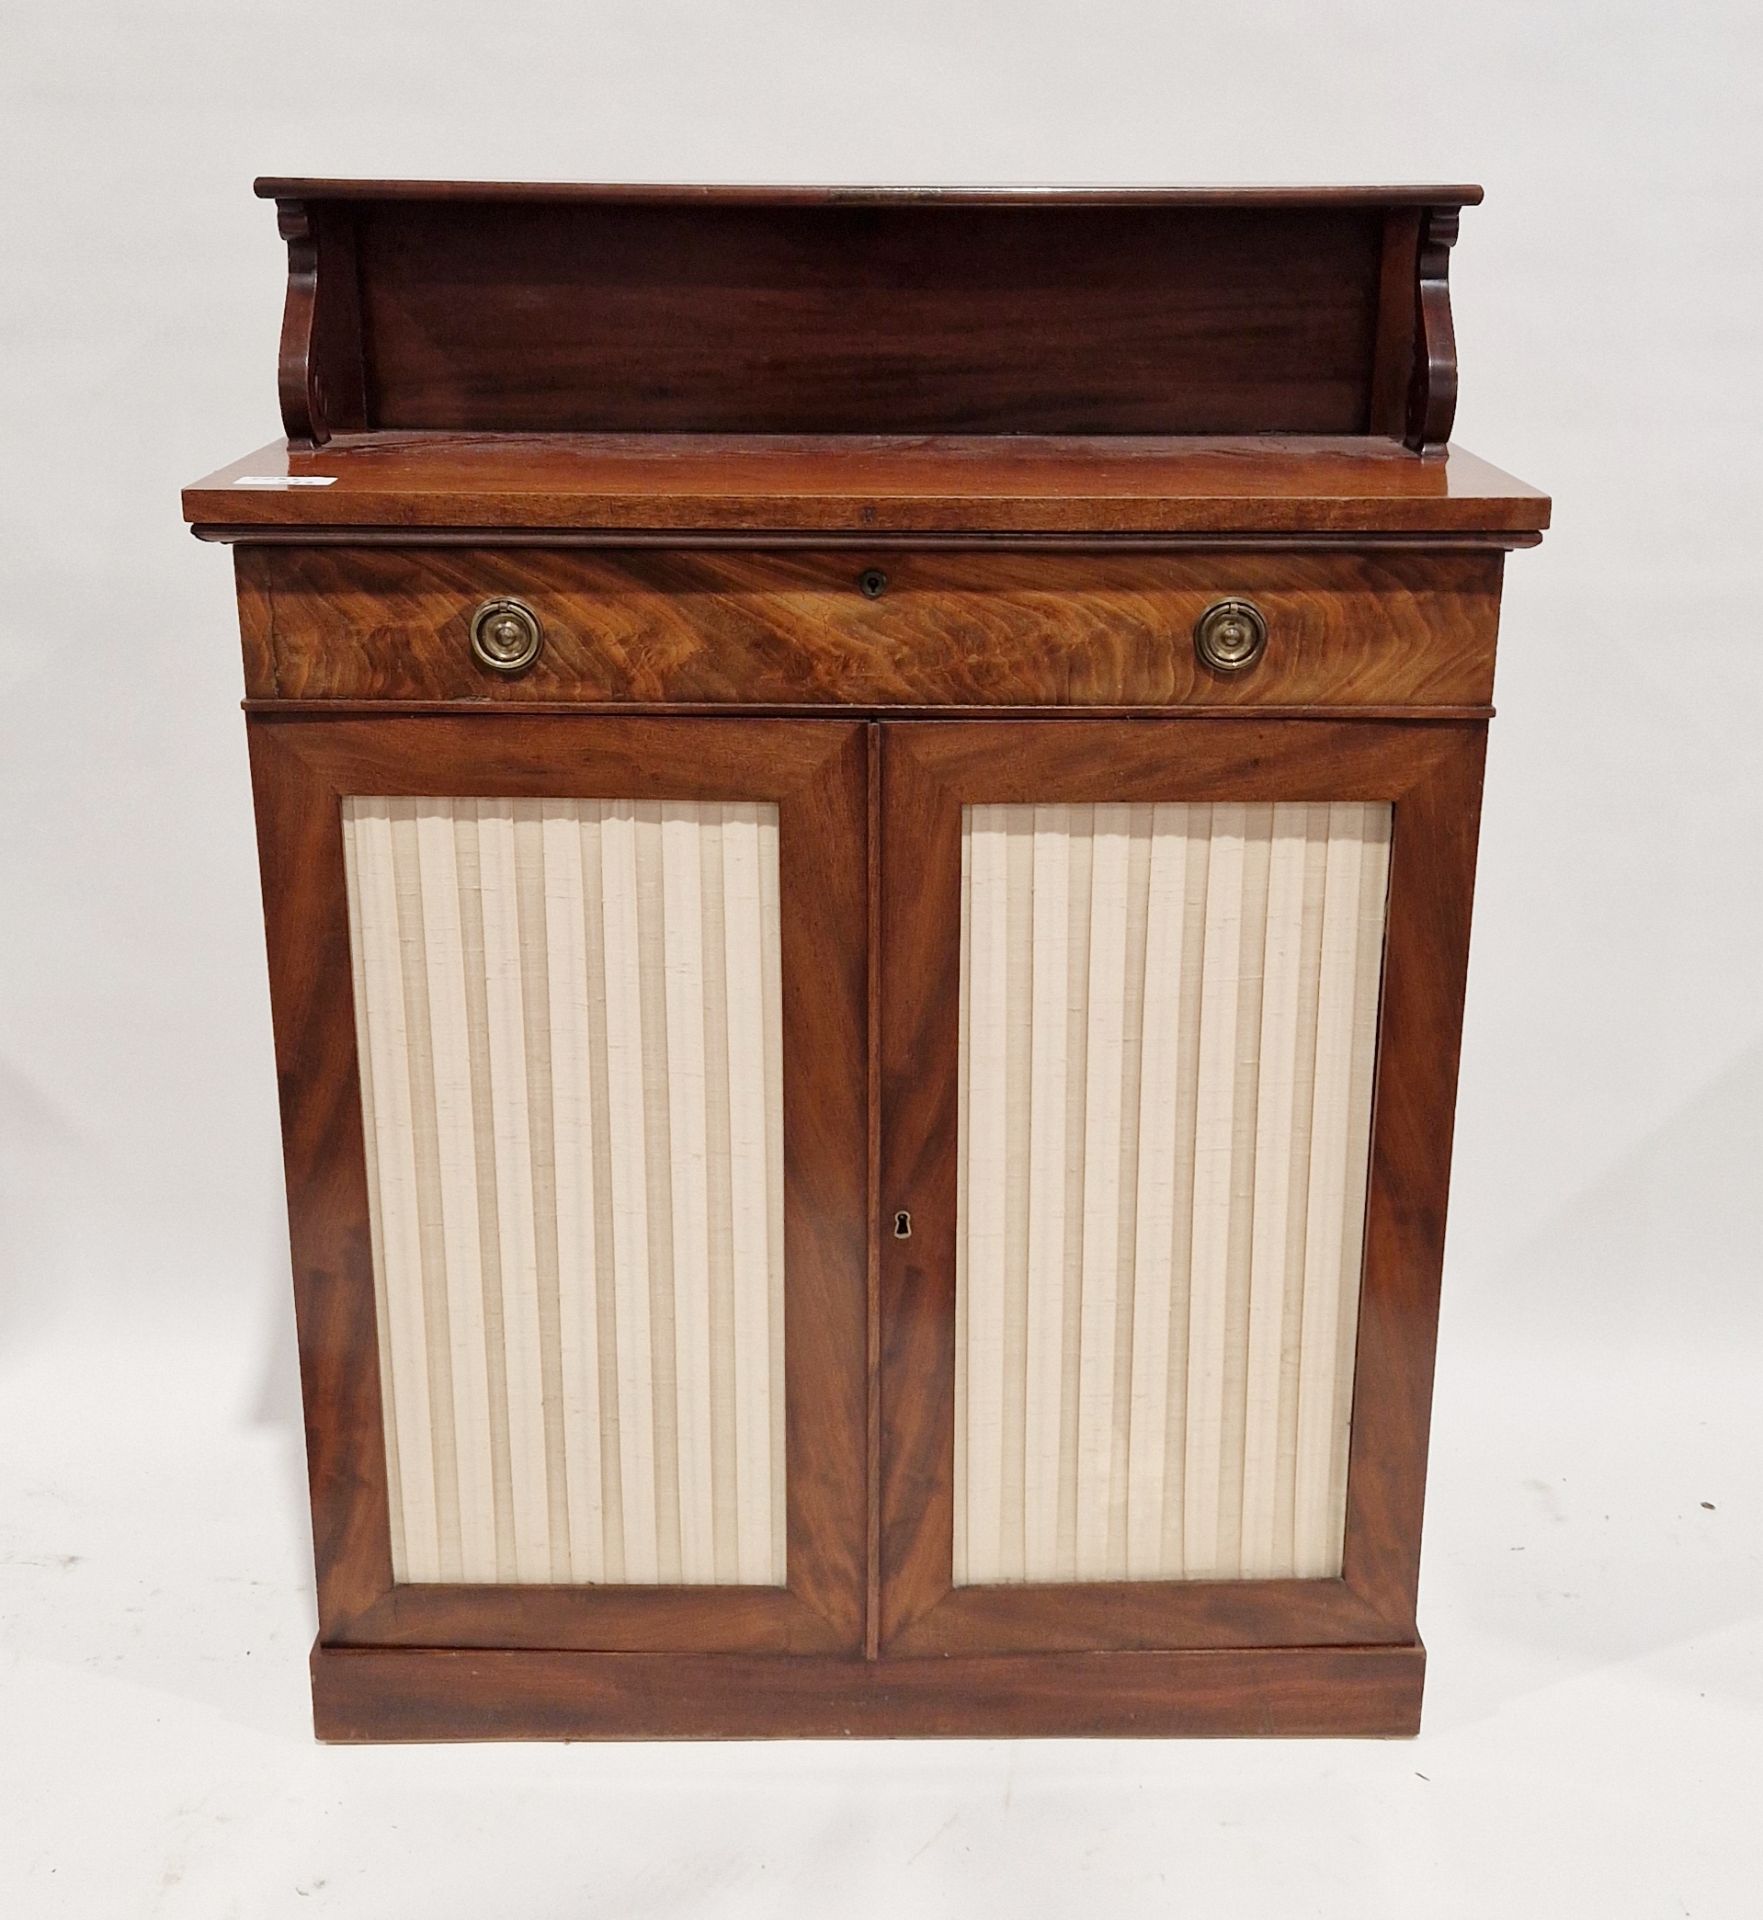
(1168, 1031)
(568, 1015)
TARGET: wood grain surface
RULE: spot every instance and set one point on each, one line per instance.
(435, 1694)
(867, 483)
(936, 318)
(822, 311)
(735, 629)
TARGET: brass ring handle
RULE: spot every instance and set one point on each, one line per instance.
(1231, 635)
(505, 636)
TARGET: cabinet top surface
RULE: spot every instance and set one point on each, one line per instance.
(856, 484)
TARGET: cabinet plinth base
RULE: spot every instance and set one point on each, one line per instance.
(431, 1694)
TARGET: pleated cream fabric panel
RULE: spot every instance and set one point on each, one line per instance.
(568, 1015)
(1168, 1035)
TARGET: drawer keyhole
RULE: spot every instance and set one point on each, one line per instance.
(902, 1226)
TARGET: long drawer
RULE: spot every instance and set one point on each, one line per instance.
(911, 628)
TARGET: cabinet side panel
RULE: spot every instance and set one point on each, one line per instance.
(567, 1013)
(1184, 1070)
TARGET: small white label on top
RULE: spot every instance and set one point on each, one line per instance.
(286, 480)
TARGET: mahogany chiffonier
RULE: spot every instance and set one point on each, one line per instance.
(867, 802)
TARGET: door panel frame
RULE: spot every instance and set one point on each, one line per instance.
(816, 772)
(1430, 772)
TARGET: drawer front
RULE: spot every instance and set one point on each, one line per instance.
(909, 628)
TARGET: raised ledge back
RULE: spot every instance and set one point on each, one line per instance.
(835, 310)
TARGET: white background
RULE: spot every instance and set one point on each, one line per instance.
(1594, 1582)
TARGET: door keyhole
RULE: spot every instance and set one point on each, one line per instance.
(902, 1226)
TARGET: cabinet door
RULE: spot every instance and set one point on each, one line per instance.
(1159, 1292)
(569, 1019)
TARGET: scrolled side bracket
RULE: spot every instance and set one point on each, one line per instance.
(1432, 392)
(320, 369)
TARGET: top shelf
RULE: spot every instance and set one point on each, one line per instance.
(685, 193)
(467, 308)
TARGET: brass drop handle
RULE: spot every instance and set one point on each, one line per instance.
(1231, 635)
(505, 636)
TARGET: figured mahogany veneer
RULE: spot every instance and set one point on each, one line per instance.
(683, 424)
(795, 629)
(971, 490)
